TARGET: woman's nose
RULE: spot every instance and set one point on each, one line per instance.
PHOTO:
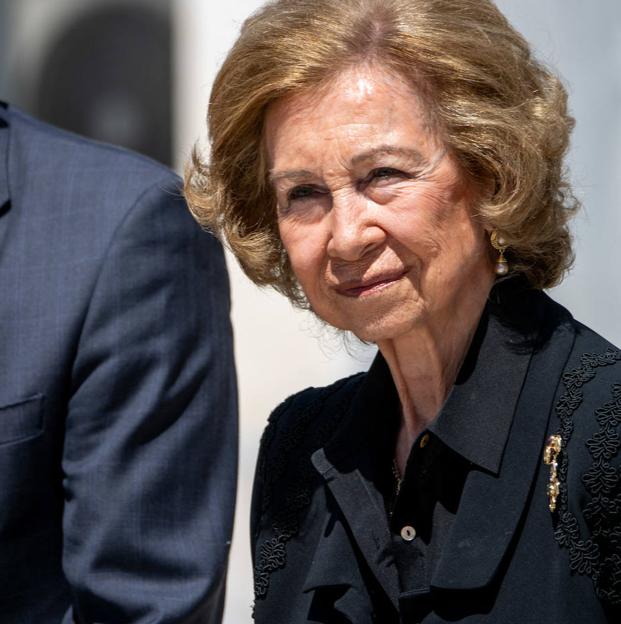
(354, 231)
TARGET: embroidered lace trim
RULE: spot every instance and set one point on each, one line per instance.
(598, 556)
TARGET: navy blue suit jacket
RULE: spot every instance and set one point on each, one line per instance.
(118, 430)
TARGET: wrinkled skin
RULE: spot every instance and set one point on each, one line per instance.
(379, 222)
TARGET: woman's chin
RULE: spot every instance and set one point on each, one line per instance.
(388, 326)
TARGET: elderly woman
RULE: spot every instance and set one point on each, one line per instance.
(396, 166)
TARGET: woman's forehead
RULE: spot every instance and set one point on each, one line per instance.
(357, 85)
(363, 103)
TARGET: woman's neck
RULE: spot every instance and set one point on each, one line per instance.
(424, 365)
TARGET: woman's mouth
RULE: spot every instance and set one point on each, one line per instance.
(369, 286)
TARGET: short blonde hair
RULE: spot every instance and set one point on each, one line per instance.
(500, 111)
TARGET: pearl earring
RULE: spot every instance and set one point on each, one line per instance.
(500, 245)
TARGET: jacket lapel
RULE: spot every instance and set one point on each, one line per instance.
(492, 505)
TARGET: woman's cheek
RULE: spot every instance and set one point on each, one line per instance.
(304, 259)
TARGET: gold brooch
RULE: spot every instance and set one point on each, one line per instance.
(550, 457)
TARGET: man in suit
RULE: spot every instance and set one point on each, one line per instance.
(118, 429)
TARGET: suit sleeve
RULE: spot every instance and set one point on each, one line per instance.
(150, 448)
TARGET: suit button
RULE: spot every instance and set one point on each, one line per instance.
(408, 533)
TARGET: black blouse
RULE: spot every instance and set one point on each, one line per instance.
(470, 433)
(470, 537)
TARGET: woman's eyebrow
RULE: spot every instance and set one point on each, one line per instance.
(409, 153)
(389, 150)
(293, 174)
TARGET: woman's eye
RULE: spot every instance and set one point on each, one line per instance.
(383, 173)
(301, 192)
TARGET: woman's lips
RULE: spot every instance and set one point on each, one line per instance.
(360, 288)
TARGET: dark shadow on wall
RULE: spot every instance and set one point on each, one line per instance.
(106, 73)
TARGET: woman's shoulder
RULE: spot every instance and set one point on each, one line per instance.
(592, 372)
(588, 406)
(308, 417)
(284, 476)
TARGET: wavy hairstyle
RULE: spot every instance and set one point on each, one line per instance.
(501, 112)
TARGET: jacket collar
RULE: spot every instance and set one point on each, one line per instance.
(524, 337)
(477, 415)
(492, 504)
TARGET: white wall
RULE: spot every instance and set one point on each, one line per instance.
(277, 352)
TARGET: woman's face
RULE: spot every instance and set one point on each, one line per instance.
(374, 212)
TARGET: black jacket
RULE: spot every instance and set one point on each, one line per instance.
(324, 550)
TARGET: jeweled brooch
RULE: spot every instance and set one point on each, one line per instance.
(550, 457)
